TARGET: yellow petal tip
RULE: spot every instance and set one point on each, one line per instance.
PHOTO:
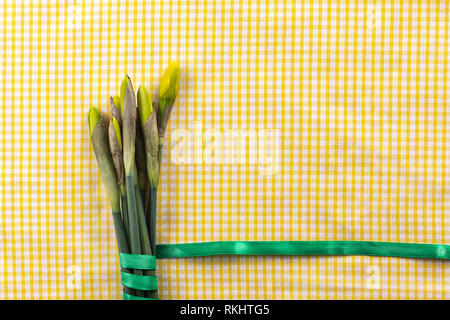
(94, 117)
(144, 104)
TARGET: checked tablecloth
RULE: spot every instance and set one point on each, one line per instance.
(357, 91)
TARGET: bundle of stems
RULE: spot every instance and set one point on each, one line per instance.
(128, 148)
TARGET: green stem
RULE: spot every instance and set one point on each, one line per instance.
(133, 216)
(122, 242)
(142, 192)
(143, 233)
(154, 201)
(135, 243)
(147, 205)
(126, 221)
(160, 147)
(152, 217)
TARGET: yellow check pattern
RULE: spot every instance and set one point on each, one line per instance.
(359, 92)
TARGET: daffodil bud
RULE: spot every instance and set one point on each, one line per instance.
(117, 132)
(115, 145)
(129, 126)
(140, 156)
(116, 101)
(168, 90)
(145, 109)
(123, 90)
(149, 127)
(93, 118)
(144, 104)
(115, 110)
(99, 138)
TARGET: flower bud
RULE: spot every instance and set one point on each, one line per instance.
(129, 126)
(115, 145)
(150, 137)
(115, 110)
(168, 90)
(116, 127)
(123, 90)
(93, 117)
(116, 101)
(144, 104)
(99, 138)
(169, 86)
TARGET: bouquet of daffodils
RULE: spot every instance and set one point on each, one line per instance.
(128, 149)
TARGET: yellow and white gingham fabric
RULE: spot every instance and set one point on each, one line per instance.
(359, 92)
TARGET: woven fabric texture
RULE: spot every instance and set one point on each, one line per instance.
(344, 105)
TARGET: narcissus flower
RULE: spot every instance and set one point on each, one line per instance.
(140, 157)
(168, 91)
(139, 241)
(145, 108)
(149, 124)
(128, 148)
(115, 109)
(129, 125)
(123, 90)
(99, 138)
(117, 103)
(144, 103)
(115, 144)
(93, 118)
(116, 127)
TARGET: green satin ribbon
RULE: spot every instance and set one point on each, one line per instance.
(137, 261)
(140, 282)
(279, 248)
(363, 248)
(127, 296)
(137, 281)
